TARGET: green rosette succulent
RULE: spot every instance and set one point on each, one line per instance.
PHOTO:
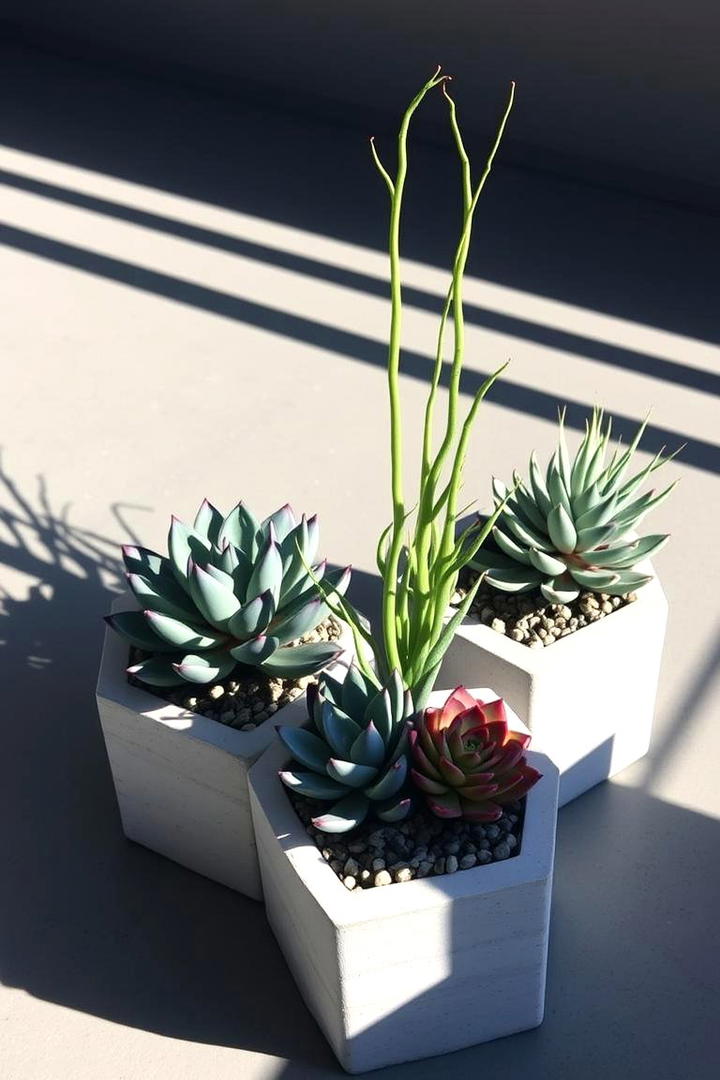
(232, 590)
(574, 528)
(354, 753)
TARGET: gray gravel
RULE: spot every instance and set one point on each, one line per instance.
(247, 697)
(528, 618)
(422, 846)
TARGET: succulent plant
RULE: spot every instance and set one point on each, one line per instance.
(355, 751)
(465, 760)
(573, 529)
(231, 591)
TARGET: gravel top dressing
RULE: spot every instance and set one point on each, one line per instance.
(422, 846)
(245, 698)
(528, 617)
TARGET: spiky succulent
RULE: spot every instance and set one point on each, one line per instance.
(231, 591)
(574, 528)
(466, 761)
(355, 751)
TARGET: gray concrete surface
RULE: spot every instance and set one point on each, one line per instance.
(626, 92)
(193, 303)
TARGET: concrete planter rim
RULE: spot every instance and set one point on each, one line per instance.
(347, 908)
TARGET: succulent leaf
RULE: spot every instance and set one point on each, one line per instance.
(475, 763)
(369, 763)
(574, 527)
(205, 667)
(227, 585)
(156, 671)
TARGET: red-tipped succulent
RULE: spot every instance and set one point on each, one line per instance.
(466, 762)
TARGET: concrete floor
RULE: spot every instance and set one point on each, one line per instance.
(193, 303)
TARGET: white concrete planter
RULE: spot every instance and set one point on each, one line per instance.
(588, 699)
(410, 970)
(181, 778)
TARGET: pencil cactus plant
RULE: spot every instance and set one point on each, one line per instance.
(466, 761)
(355, 752)
(574, 527)
(232, 590)
(420, 554)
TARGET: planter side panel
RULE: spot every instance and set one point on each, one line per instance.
(426, 976)
(182, 797)
(305, 933)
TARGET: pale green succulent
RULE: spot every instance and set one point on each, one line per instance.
(574, 528)
(232, 591)
(354, 755)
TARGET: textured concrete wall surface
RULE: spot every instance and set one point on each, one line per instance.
(628, 93)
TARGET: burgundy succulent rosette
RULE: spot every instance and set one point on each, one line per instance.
(466, 761)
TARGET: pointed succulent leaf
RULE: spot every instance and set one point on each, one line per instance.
(379, 712)
(208, 522)
(350, 773)
(157, 671)
(289, 626)
(395, 809)
(390, 782)
(216, 602)
(132, 626)
(560, 590)
(297, 661)
(597, 580)
(240, 528)
(255, 652)
(306, 748)
(354, 692)
(546, 564)
(537, 483)
(627, 582)
(522, 579)
(345, 815)
(625, 556)
(599, 515)
(205, 667)
(339, 729)
(561, 529)
(179, 606)
(282, 520)
(631, 514)
(229, 561)
(587, 500)
(368, 748)
(183, 544)
(510, 548)
(140, 560)
(253, 618)
(312, 784)
(556, 487)
(580, 465)
(222, 578)
(595, 537)
(182, 635)
(267, 572)
(332, 690)
(529, 508)
(523, 532)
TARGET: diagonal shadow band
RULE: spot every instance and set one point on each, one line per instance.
(697, 452)
(563, 340)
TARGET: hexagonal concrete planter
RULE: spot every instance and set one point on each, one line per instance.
(410, 970)
(588, 699)
(181, 778)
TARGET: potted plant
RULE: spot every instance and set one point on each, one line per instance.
(213, 640)
(406, 847)
(569, 621)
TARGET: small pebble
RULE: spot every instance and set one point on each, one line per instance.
(498, 625)
(349, 882)
(216, 692)
(404, 873)
(501, 850)
(351, 868)
(467, 861)
(451, 864)
(248, 727)
(439, 867)
(383, 878)
(378, 864)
